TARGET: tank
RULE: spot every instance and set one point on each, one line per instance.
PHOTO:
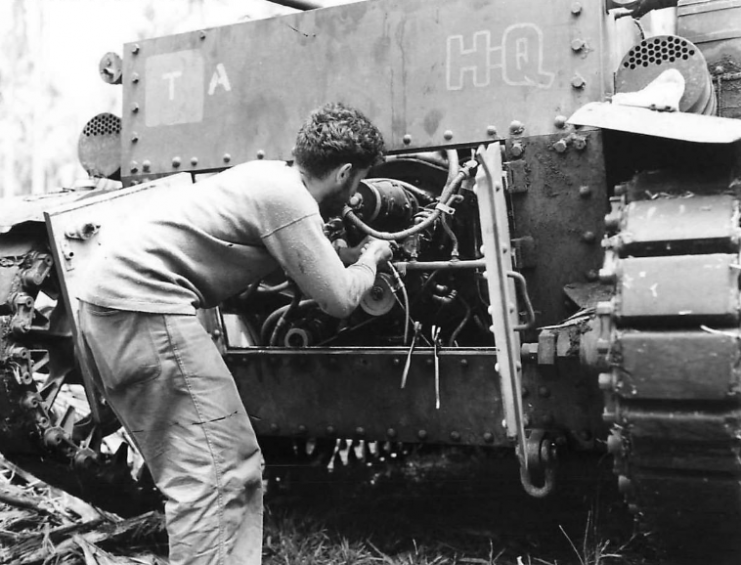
(562, 186)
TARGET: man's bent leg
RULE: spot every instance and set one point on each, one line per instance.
(168, 382)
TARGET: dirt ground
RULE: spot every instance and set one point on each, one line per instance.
(461, 507)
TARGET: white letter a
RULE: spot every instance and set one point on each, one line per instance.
(219, 78)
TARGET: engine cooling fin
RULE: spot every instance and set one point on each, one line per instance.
(671, 346)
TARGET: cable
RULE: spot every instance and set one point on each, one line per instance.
(405, 295)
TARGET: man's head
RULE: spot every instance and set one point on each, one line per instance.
(334, 150)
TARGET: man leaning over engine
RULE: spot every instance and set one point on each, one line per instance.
(159, 369)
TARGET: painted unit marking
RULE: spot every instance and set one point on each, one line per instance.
(518, 56)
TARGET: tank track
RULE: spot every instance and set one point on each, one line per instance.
(671, 350)
(56, 444)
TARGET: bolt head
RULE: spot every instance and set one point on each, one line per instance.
(407, 139)
(448, 135)
(194, 161)
(561, 146)
(578, 82)
(135, 48)
(577, 44)
(261, 154)
(517, 149)
(134, 77)
(134, 108)
(560, 121)
(576, 8)
(226, 158)
(146, 166)
(134, 167)
(491, 131)
(176, 162)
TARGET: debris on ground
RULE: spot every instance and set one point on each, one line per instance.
(40, 524)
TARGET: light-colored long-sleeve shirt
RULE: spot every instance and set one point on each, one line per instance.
(219, 236)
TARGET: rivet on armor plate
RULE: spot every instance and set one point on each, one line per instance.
(135, 107)
(430, 362)
(261, 154)
(391, 432)
(488, 437)
(544, 391)
(589, 237)
(274, 427)
(560, 122)
(448, 135)
(135, 49)
(226, 158)
(422, 434)
(302, 429)
(578, 82)
(464, 363)
(455, 436)
(134, 167)
(360, 431)
(134, 77)
(407, 139)
(576, 8)
(525, 392)
(516, 126)
(577, 44)
(194, 161)
(491, 131)
(397, 362)
(176, 162)
(585, 191)
(202, 35)
(134, 137)
(517, 149)
(548, 419)
(331, 431)
(591, 275)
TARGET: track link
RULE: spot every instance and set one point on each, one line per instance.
(58, 445)
(672, 352)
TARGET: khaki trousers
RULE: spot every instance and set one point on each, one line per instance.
(169, 386)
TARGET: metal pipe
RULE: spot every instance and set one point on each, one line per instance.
(434, 265)
(303, 5)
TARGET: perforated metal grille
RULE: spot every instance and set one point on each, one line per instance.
(655, 51)
(103, 124)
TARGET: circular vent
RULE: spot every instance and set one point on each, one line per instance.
(99, 146)
(651, 57)
(103, 124)
(659, 50)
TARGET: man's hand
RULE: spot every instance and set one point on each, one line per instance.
(377, 249)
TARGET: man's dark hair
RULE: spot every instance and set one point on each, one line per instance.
(336, 134)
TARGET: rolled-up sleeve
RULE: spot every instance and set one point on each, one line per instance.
(309, 259)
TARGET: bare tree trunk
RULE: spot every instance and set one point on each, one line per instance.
(35, 29)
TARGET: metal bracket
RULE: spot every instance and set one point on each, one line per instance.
(504, 312)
